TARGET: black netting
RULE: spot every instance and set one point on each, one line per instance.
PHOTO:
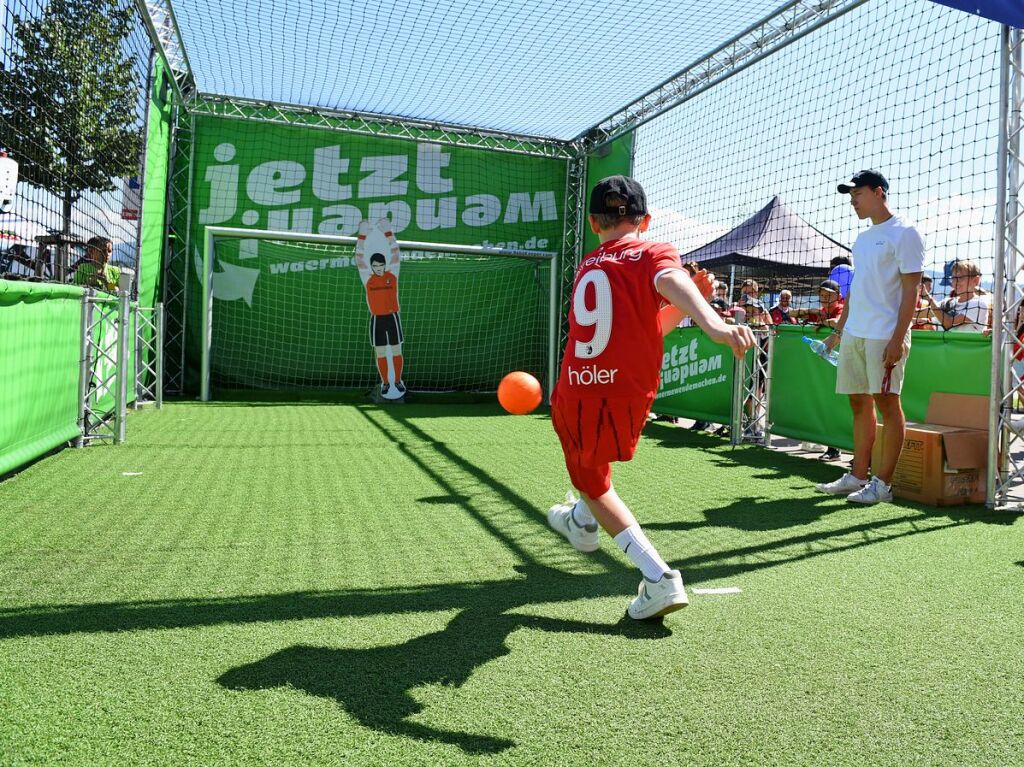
(74, 78)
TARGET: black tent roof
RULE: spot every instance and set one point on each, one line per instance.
(774, 241)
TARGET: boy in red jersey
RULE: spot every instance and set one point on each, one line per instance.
(610, 373)
(380, 278)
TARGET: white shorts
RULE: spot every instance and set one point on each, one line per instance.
(860, 367)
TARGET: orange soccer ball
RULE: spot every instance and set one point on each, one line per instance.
(519, 393)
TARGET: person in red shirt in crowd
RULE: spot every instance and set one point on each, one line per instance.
(610, 374)
(782, 312)
(831, 306)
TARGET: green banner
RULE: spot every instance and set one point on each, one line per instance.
(615, 158)
(154, 194)
(296, 178)
(39, 349)
(696, 377)
(804, 404)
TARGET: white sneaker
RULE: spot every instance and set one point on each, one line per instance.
(561, 521)
(661, 598)
(845, 485)
(875, 491)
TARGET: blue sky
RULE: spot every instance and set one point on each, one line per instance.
(540, 67)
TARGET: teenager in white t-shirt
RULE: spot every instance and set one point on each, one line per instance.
(964, 311)
(874, 330)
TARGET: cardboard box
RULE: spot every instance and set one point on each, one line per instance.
(943, 461)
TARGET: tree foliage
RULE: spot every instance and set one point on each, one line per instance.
(68, 97)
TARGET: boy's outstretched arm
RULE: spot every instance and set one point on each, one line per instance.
(670, 316)
(679, 290)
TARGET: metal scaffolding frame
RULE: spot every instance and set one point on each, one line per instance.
(1006, 421)
(572, 238)
(162, 24)
(176, 260)
(149, 356)
(752, 391)
(368, 124)
(103, 367)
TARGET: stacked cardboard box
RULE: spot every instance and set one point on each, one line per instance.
(943, 460)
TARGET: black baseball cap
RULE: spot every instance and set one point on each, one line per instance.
(830, 285)
(870, 178)
(623, 186)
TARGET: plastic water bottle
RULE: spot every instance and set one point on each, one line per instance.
(819, 348)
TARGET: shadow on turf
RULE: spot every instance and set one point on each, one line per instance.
(374, 685)
(776, 465)
(544, 586)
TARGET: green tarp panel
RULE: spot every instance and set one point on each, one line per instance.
(154, 194)
(696, 377)
(255, 175)
(612, 159)
(804, 404)
(40, 327)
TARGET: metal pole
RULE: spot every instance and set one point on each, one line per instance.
(140, 389)
(739, 373)
(999, 277)
(240, 233)
(1012, 224)
(83, 367)
(553, 313)
(121, 393)
(768, 389)
(159, 346)
(189, 259)
(206, 324)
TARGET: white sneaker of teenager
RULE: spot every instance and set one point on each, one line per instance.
(845, 485)
(875, 491)
(659, 598)
(560, 518)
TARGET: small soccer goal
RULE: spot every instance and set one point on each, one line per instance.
(296, 311)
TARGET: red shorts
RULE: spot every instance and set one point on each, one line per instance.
(596, 432)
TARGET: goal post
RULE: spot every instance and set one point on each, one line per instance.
(290, 312)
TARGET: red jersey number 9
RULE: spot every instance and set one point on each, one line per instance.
(600, 315)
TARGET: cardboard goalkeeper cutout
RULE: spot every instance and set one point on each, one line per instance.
(379, 260)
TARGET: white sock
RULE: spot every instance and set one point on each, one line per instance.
(634, 544)
(581, 514)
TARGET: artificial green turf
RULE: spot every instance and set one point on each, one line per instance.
(332, 583)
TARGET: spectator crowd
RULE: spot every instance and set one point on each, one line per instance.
(967, 307)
